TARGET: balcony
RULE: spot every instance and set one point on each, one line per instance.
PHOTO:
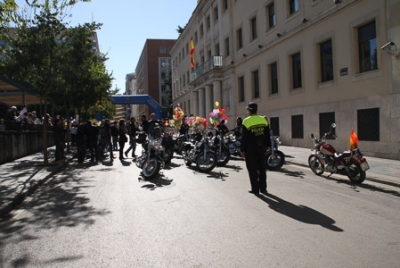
(215, 62)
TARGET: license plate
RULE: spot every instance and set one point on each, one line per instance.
(364, 166)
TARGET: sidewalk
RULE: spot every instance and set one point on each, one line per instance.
(20, 178)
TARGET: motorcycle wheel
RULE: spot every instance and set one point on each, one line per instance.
(356, 175)
(207, 163)
(223, 158)
(276, 161)
(150, 168)
(316, 164)
(168, 154)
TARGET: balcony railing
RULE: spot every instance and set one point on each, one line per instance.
(213, 63)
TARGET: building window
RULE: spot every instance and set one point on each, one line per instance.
(227, 48)
(253, 28)
(367, 50)
(163, 76)
(296, 70)
(196, 37)
(274, 125)
(325, 122)
(241, 88)
(201, 30)
(208, 22)
(163, 50)
(273, 73)
(215, 13)
(239, 38)
(326, 61)
(271, 15)
(297, 127)
(293, 6)
(368, 124)
(256, 84)
(163, 88)
(225, 3)
(217, 51)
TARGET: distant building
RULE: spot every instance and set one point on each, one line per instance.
(306, 63)
(153, 74)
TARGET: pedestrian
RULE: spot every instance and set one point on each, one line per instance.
(92, 139)
(122, 138)
(59, 140)
(238, 129)
(154, 129)
(184, 128)
(255, 142)
(114, 136)
(144, 123)
(132, 129)
(222, 129)
(108, 137)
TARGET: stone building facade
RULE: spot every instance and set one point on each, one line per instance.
(307, 63)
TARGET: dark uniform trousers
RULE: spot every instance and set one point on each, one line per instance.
(256, 166)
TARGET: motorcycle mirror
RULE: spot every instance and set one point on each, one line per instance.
(312, 135)
(333, 125)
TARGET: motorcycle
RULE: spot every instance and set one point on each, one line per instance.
(274, 158)
(349, 163)
(152, 160)
(199, 152)
(178, 143)
(168, 144)
(233, 144)
(221, 149)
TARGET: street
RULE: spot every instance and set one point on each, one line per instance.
(103, 216)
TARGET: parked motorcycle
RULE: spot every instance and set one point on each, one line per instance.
(233, 143)
(200, 153)
(349, 163)
(273, 157)
(178, 143)
(152, 160)
(168, 144)
(221, 149)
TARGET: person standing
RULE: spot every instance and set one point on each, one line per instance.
(222, 129)
(122, 138)
(255, 143)
(132, 128)
(145, 123)
(114, 136)
(238, 129)
(59, 140)
(92, 140)
(107, 138)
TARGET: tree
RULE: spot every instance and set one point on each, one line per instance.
(40, 50)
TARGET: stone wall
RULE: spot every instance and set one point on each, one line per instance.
(14, 145)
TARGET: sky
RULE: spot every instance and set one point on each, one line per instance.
(126, 26)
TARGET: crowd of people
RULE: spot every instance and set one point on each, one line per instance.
(22, 119)
(95, 140)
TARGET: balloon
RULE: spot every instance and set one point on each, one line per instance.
(217, 103)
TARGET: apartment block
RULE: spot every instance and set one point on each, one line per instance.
(306, 63)
(153, 75)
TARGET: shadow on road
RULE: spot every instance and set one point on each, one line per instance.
(299, 212)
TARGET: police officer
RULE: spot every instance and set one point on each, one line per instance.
(255, 142)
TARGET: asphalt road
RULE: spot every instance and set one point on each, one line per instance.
(103, 216)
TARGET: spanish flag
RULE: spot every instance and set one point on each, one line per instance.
(191, 53)
(353, 140)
